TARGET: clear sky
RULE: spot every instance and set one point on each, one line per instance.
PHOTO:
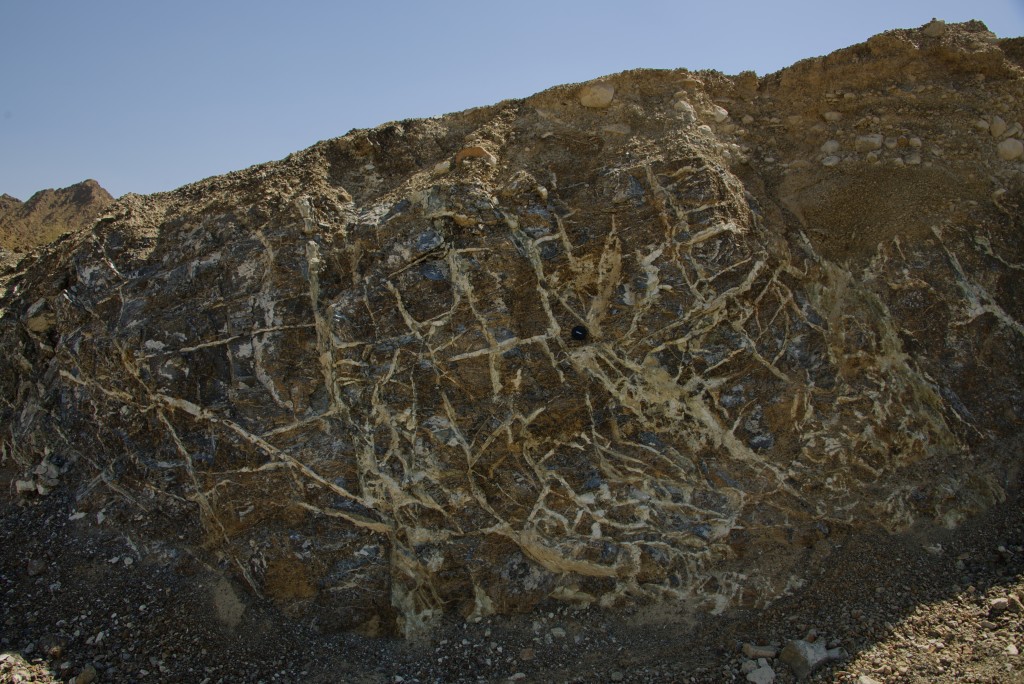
(146, 95)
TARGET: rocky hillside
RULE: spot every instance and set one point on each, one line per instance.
(48, 214)
(668, 338)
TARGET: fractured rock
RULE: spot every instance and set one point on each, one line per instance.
(390, 377)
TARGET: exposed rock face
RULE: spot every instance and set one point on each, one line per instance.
(48, 214)
(356, 368)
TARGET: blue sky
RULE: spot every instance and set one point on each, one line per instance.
(147, 96)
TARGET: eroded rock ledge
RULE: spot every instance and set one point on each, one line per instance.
(355, 367)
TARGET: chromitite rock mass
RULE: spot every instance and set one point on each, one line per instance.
(356, 368)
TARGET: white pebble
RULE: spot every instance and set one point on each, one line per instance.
(762, 675)
(1011, 149)
(832, 116)
(831, 160)
(867, 143)
(830, 147)
(686, 112)
(997, 127)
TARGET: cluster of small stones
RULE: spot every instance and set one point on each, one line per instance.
(935, 640)
(863, 126)
(869, 140)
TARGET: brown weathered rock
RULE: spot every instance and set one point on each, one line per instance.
(86, 676)
(754, 652)
(998, 606)
(473, 151)
(762, 675)
(358, 375)
(805, 657)
(597, 95)
(936, 28)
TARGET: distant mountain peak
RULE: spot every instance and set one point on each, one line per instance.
(50, 213)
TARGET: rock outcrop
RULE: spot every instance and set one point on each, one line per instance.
(670, 335)
(48, 214)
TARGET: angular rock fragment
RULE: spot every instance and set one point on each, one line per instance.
(473, 151)
(935, 28)
(597, 95)
(804, 657)
(762, 675)
(868, 143)
(754, 652)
